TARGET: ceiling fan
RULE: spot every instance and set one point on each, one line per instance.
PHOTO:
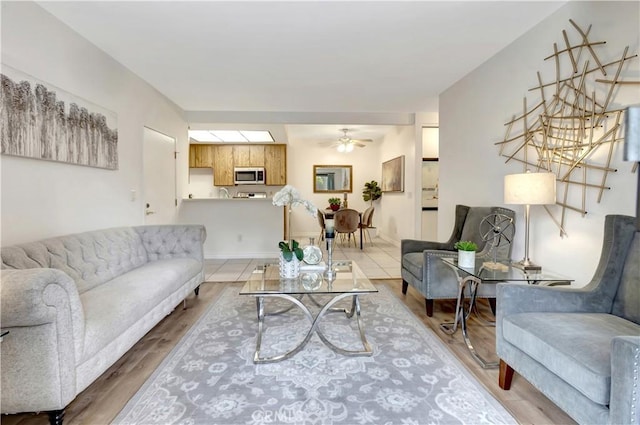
(346, 143)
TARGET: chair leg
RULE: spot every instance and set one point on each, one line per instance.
(506, 375)
(429, 307)
(492, 304)
(405, 285)
(366, 229)
(56, 416)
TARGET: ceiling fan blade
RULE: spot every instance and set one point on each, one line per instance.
(361, 140)
(356, 143)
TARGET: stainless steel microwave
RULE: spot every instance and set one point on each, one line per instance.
(248, 175)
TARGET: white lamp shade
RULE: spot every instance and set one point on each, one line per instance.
(530, 189)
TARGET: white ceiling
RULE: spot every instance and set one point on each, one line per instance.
(302, 56)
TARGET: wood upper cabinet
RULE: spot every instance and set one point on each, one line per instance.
(275, 164)
(200, 156)
(223, 158)
(222, 165)
(248, 155)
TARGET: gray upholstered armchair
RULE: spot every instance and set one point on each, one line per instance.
(580, 346)
(422, 268)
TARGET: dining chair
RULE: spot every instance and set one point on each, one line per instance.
(321, 223)
(347, 222)
(367, 222)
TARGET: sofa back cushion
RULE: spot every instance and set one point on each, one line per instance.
(626, 303)
(90, 258)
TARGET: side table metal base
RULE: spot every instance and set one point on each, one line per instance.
(462, 316)
(328, 307)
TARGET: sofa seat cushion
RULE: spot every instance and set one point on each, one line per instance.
(574, 346)
(114, 306)
(413, 263)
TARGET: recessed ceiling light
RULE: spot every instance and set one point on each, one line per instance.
(203, 136)
(231, 136)
(257, 135)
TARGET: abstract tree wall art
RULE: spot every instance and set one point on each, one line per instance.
(40, 121)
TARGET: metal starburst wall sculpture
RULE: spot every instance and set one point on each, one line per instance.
(573, 127)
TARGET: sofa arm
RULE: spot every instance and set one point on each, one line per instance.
(163, 242)
(415, 245)
(513, 298)
(625, 380)
(42, 310)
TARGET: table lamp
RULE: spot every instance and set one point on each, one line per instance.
(529, 189)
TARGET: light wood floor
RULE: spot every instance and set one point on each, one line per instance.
(104, 399)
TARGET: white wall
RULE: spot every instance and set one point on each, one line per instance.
(401, 211)
(303, 155)
(472, 116)
(42, 199)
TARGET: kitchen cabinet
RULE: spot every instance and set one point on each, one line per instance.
(224, 157)
(222, 165)
(248, 155)
(200, 156)
(275, 164)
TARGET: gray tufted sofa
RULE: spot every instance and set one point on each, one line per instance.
(75, 304)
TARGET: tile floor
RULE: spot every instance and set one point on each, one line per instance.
(378, 260)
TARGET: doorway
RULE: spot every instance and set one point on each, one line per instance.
(159, 174)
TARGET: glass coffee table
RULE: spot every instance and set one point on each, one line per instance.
(488, 272)
(346, 281)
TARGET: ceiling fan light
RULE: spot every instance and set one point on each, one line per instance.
(348, 147)
(341, 147)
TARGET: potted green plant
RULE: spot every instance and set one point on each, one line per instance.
(290, 256)
(466, 253)
(334, 204)
(289, 251)
(371, 191)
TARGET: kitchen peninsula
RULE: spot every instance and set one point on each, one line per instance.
(240, 219)
(236, 227)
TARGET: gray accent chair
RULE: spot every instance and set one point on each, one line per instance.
(580, 346)
(422, 268)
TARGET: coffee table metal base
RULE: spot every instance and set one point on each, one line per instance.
(328, 307)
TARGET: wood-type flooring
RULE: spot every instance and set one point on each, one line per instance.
(102, 401)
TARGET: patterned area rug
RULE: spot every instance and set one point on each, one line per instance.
(411, 379)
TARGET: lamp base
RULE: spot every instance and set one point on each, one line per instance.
(527, 266)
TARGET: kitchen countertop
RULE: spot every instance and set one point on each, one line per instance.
(227, 199)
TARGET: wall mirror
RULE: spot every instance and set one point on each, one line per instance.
(332, 178)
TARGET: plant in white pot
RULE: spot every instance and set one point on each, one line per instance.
(290, 257)
(290, 252)
(466, 253)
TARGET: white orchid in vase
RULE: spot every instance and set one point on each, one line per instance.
(289, 197)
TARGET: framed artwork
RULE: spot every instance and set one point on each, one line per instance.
(44, 122)
(393, 175)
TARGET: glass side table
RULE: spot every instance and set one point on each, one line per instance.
(488, 272)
